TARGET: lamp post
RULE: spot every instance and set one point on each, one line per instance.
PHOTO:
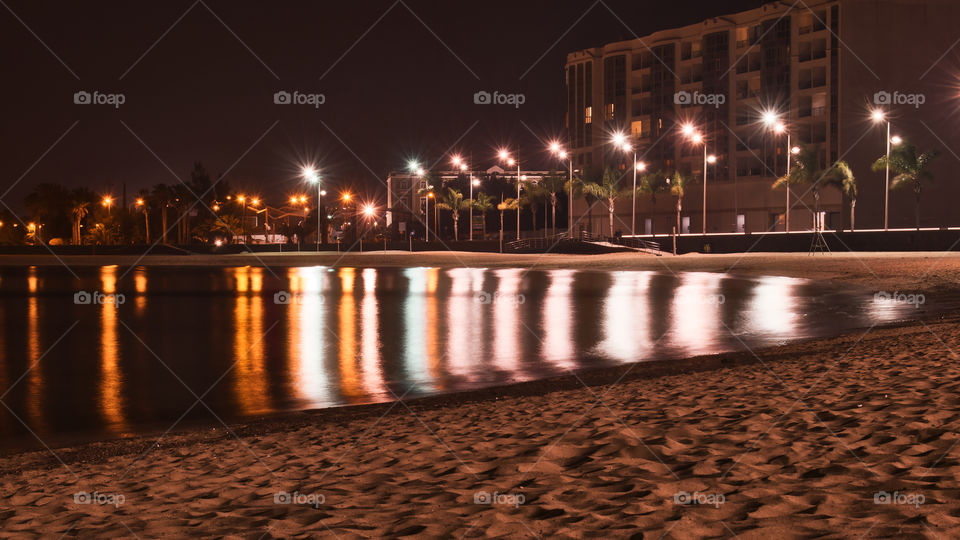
(243, 217)
(505, 156)
(772, 121)
(418, 171)
(462, 165)
(562, 154)
(146, 217)
(312, 175)
(879, 116)
(620, 140)
(697, 138)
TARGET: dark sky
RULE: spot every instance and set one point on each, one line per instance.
(398, 79)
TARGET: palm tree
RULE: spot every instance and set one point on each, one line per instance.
(80, 211)
(910, 169)
(608, 190)
(848, 186)
(651, 184)
(807, 170)
(678, 188)
(506, 204)
(162, 197)
(532, 195)
(452, 200)
(574, 190)
(483, 203)
(551, 185)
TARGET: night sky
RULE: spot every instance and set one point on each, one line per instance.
(199, 82)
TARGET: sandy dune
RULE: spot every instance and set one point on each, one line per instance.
(804, 441)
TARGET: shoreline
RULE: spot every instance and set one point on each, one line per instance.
(618, 458)
(95, 449)
(894, 270)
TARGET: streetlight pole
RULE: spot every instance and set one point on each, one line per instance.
(471, 205)
(786, 211)
(886, 183)
(704, 187)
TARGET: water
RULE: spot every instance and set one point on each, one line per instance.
(251, 341)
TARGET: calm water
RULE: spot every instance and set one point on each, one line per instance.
(251, 341)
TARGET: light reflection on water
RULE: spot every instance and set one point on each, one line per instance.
(351, 335)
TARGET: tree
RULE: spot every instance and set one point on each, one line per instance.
(848, 186)
(608, 190)
(574, 190)
(551, 185)
(651, 184)
(533, 193)
(506, 204)
(452, 200)
(161, 197)
(807, 170)
(483, 204)
(80, 211)
(678, 188)
(50, 205)
(910, 169)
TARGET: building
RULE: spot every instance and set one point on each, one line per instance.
(406, 201)
(823, 66)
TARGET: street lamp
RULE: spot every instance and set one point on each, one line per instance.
(427, 216)
(462, 165)
(772, 121)
(146, 217)
(697, 138)
(879, 116)
(621, 142)
(243, 217)
(504, 156)
(107, 203)
(557, 150)
(312, 175)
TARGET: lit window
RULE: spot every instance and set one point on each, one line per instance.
(636, 127)
(588, 115)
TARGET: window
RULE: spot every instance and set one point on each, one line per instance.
(588, 115)
(609, 110)
(741, 223)
(636, 128)
(741, 37)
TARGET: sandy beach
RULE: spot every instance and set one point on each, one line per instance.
(926, 271)
(853, 436)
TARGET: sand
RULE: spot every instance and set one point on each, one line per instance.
(798, 443)
(854, 436)
(927, 271)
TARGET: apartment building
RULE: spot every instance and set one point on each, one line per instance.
(823, 66)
